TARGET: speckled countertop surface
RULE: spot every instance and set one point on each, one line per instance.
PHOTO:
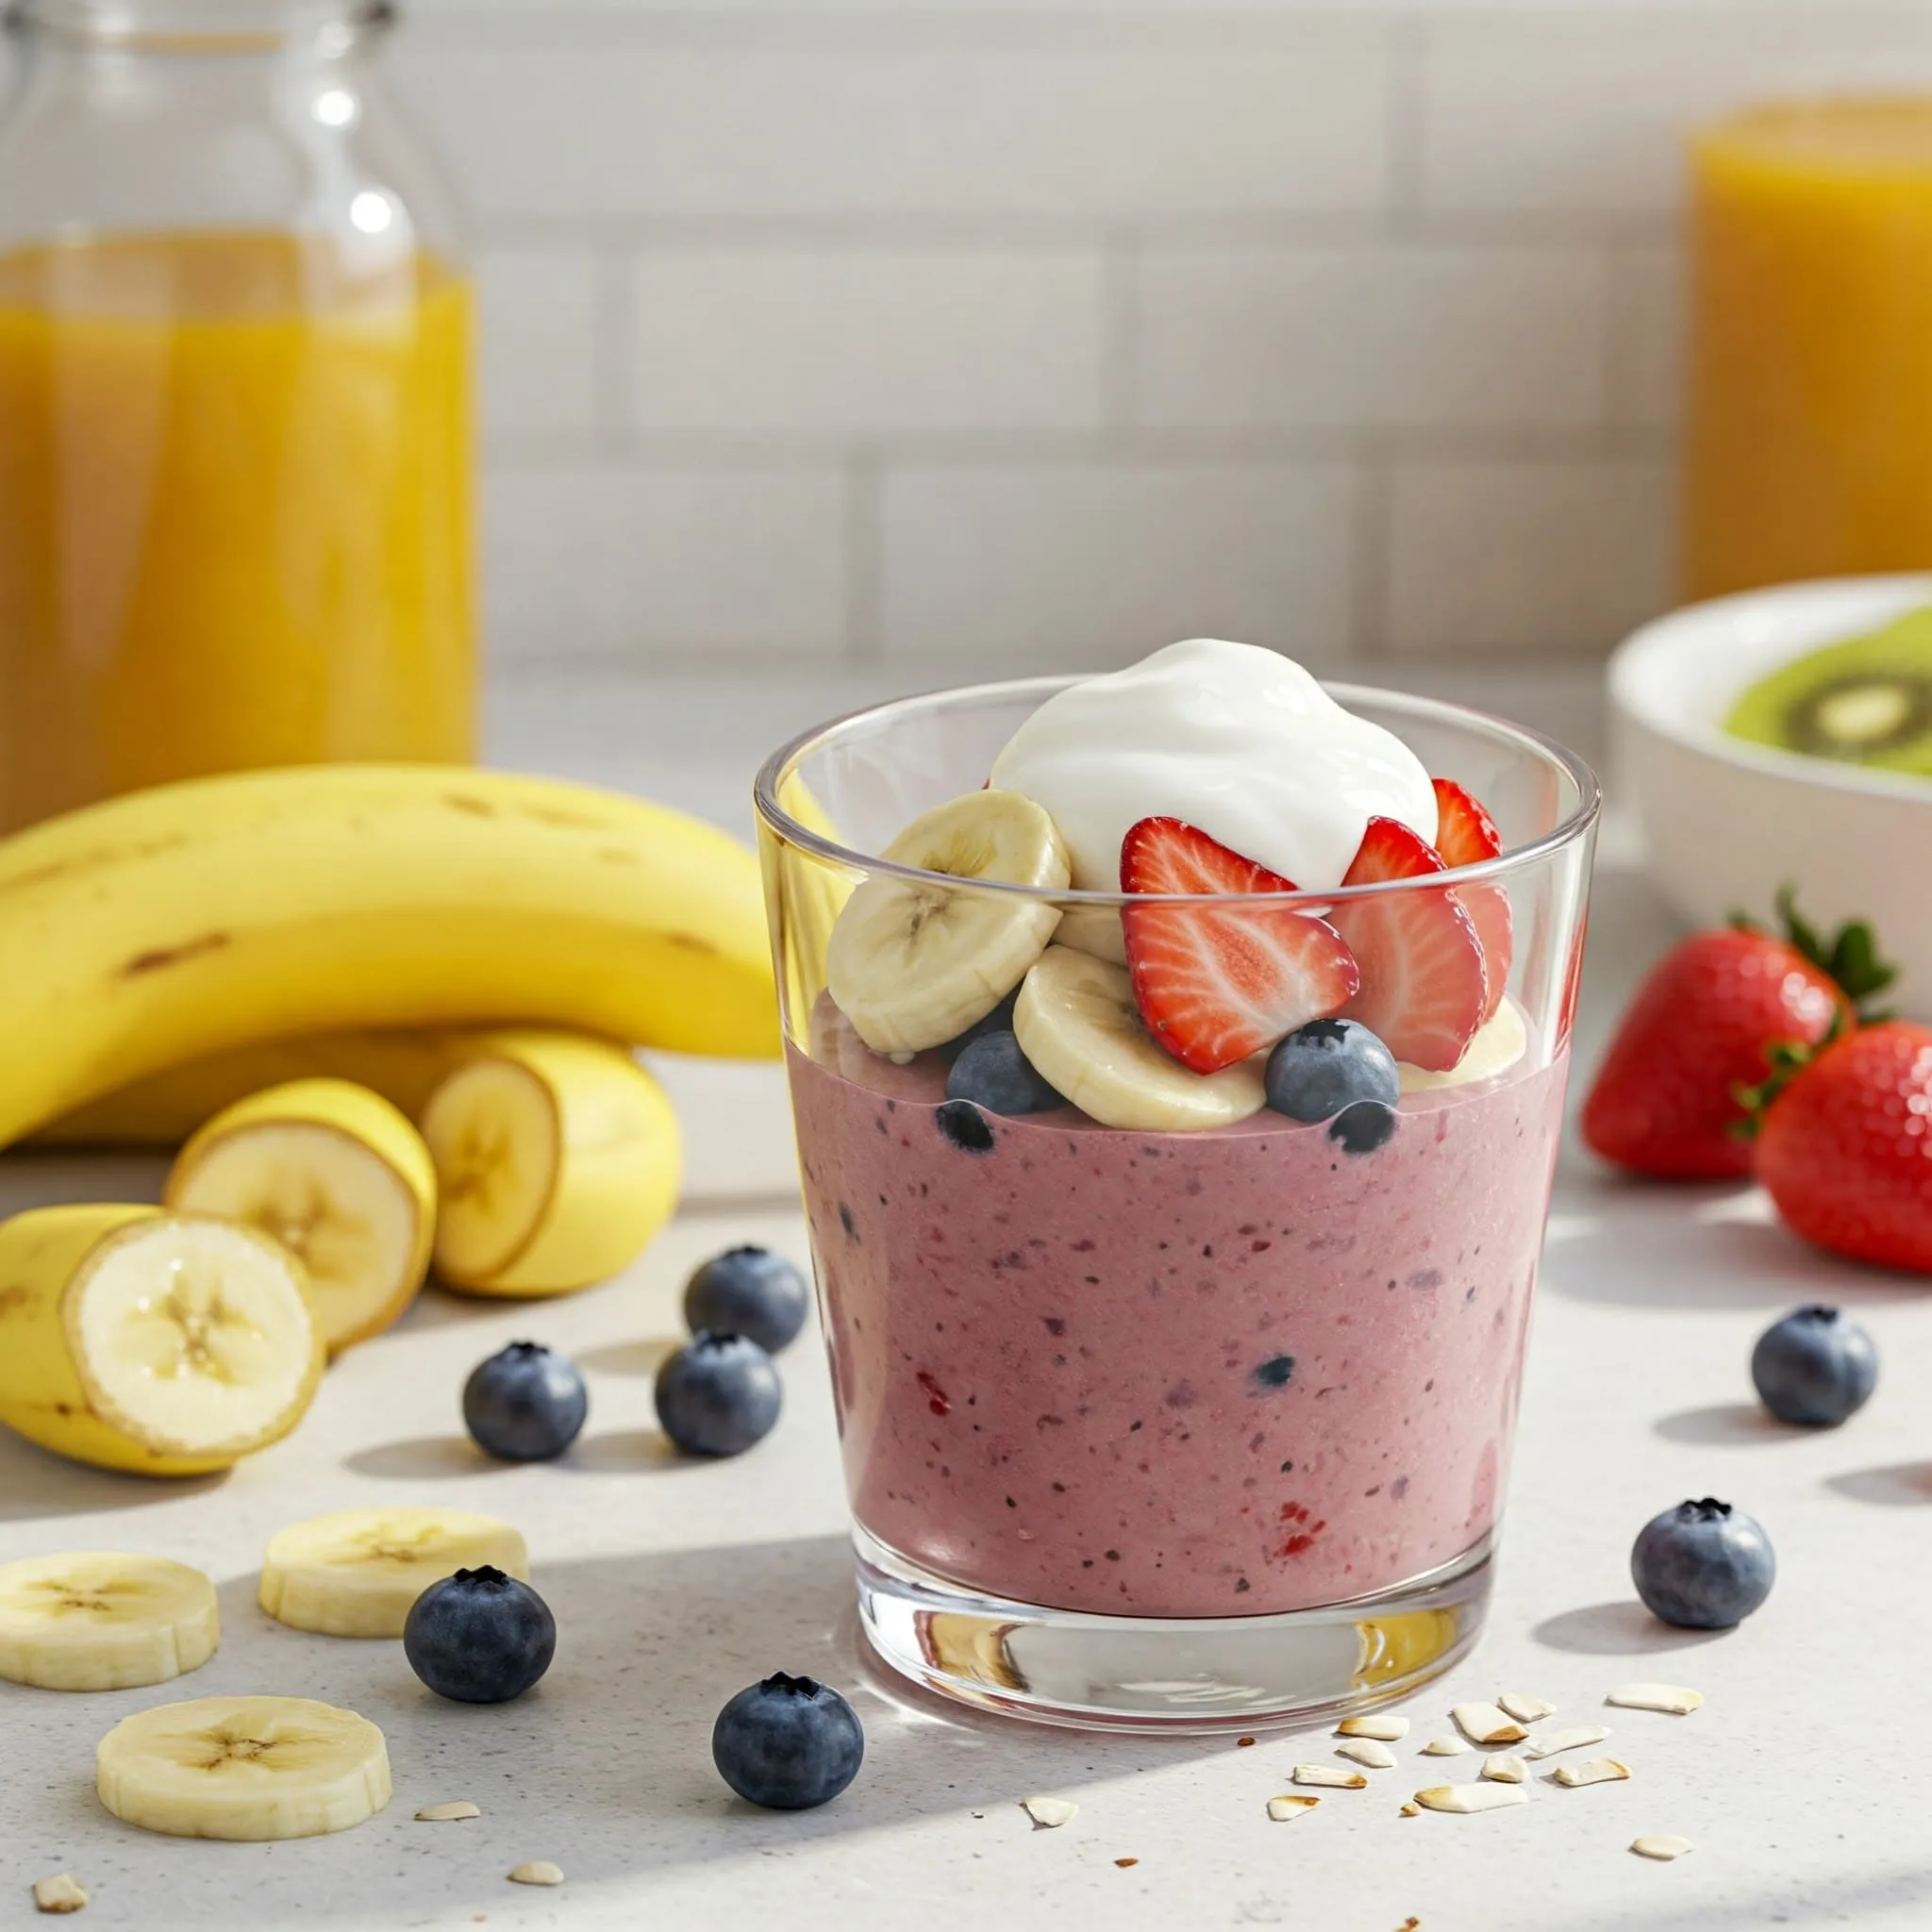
(675, 1584)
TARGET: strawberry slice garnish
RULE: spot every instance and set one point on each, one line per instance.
(1423, 986)
(1467, 835)
(1216, 986)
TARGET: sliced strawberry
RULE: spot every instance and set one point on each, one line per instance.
(1216, 986)
(1467, 835)
(1422, 989)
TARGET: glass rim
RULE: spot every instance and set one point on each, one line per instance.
(202, 26)
(1575, 826)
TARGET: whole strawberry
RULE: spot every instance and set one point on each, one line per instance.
(1846, 1149)
(1665, 1100)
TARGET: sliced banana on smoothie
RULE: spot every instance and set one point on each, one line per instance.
(1078, 1023)
(98, 1620)
(913, 964)
(248, 1768)
(335, 1175)
(1500, 1041)
(357, 1573)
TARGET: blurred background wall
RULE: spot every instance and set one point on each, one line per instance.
(950, 336)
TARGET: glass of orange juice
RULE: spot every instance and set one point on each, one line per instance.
(235, 405)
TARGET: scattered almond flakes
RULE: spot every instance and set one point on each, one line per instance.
(1444, 1747)
(1411, 1811)
(1525, 1710)
(1549, 1742)
(1669, 1698)
(1049, 1814)
(537, 1871)
(1592, 1771)
(1505, 1768)
(1124, 1863)
(1332, 1776)
(1386, 1729)
(1664, 1847)
(443, 1814)
(63, 1893)
(1242, 1743)
(1368, 1752)
(1489, 1797)
(1483, 1723)
(1281, 1809)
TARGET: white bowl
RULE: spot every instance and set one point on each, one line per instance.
(1726, 824)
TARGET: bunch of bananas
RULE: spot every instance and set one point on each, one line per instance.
(388, 1008)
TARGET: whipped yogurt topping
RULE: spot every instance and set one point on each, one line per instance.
(1238, 740)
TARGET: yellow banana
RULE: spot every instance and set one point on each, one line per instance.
(167, 1344)
(169, 925)
(803, 899)
(404, 1064)
(558, 1159)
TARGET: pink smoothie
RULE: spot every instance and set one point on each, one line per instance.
(1173, 1374)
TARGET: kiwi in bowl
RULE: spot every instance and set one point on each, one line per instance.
(1772, 739)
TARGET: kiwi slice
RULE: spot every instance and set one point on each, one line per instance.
(1865, 701)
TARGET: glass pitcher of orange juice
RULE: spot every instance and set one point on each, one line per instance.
(235, 407)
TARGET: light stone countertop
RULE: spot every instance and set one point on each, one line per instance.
(675, 1584)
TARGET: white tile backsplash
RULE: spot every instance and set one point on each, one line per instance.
(862, 341)
(1018, 330)
(538, 341)
(1371, 337)
(704, 563)
(836, 126)
(1090, 563)
(1542, 556)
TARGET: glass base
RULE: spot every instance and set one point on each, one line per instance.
(1186, 1675)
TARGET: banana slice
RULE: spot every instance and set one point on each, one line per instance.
(1094, 929)
(97, 1620)
(1077, 1023)
(558, 1159)
(337, 1176)
(356, 1573)
(1500, 1041)
(250, 1768)
(913, 965)
(162, 1344)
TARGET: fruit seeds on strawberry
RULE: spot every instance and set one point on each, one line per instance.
(1422, 985)
(1844, 1149)
(1467, 835)
(1216, 986)
(1700, 1028)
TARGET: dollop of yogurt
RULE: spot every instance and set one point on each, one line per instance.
(1238, 740)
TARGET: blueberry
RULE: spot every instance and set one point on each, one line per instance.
(718, 1394)
(787, 1744)
(1814, 1367)
(999, 1021)
(1703, 1566)
(1327, 1065)
(993, 1074)
(964, 1126)
(1362, 1126)
(479, 1637)
(525, 1404)
(750, 1292)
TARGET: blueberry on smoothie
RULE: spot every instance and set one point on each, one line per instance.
(1363, 1127)
(747, 1290)
(718, 1395)
(1320, 1068)
(965, 1126)
(525, 1404)
(787, 1744)
(992, 1073)
(999, 1021)
(479, 1637)
(1703, 1566)
(1814, 1367)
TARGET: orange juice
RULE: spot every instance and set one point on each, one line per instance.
(1811, 448)
(235, 513)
